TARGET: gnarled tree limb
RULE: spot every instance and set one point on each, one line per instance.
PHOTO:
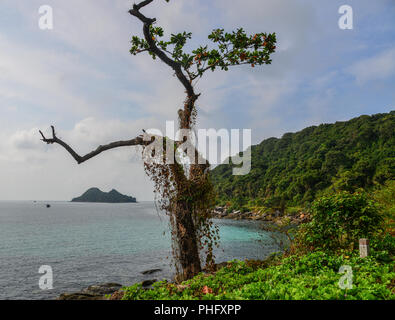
(142, 4)
(138, 141)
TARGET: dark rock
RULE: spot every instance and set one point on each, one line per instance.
(148, 283)
(94, 292)
(102, 289)
(151, 271)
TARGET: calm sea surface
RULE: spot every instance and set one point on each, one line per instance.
(88, 243)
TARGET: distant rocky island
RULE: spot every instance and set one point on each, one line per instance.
(96, 195)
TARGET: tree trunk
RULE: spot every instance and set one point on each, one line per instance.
(188, 247)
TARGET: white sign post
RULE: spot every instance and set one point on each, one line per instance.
(363, 248)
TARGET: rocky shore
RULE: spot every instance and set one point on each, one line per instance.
(274, 216)
(106, 291)
(94, 292)
(113, 291)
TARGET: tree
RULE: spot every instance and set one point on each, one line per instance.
(185, 191)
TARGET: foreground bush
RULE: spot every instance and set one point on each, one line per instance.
(311, 276)
(340, 220)
(386, 197)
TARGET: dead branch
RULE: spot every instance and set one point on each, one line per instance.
(138, 141)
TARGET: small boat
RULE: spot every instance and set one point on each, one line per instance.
(48, 206)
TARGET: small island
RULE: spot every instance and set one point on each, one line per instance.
(96, 195)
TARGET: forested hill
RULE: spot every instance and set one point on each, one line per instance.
(294, 170)
(96, 195)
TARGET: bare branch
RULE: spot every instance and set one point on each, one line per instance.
(135, 12)
(138, 141)
(142, 4)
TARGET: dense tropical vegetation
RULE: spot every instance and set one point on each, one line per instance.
(311, 276)
(343, 176)
(300, 167)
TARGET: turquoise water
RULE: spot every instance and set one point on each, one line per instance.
(88, 243)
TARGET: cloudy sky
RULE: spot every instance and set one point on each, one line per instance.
(81, 78)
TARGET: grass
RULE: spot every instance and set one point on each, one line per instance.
(299, 277)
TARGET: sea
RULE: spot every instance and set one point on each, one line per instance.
(92, 243)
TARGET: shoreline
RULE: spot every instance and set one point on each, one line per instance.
(275, 217)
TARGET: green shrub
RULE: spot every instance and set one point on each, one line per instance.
(385, 242)
(311, 276)
(385, 195)
(340, 220)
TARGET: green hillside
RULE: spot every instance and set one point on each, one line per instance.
(299, 167)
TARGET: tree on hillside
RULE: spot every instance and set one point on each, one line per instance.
(185, 191)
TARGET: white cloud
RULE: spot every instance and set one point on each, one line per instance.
(379, 67)
(293, 21)
(41, 77)
(25, 139)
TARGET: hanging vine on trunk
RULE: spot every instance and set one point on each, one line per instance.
(196, 196)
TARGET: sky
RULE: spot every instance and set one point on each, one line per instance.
(81, 78)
